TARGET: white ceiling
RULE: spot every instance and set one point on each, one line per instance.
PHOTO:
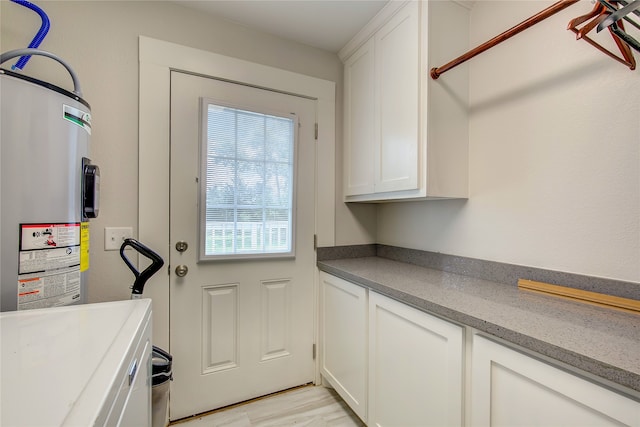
(325, 24)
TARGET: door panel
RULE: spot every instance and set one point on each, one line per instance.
(359, 123)
(276, 319)
(239, 329)
(398, 76)
(220, 328)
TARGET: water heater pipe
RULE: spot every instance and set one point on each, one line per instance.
(21, 52)
(40, 35)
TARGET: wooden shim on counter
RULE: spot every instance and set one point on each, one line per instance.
(595, 298)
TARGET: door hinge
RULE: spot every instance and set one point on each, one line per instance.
(314, 351)
(316, 132)
(315, 242)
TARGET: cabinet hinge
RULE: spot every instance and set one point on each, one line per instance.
(316, 132)
(315, 242)
(314, 351)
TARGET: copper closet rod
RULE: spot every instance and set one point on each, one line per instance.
(551, 10)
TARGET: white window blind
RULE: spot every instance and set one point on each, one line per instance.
(248, 183)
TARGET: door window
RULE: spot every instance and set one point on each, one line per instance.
(246, 183)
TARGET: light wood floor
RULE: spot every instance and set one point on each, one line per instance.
(309, 406)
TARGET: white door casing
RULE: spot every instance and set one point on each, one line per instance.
(157, 59)
(239, 329)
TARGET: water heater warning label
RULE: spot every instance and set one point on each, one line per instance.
(84, 246)
(49, 265)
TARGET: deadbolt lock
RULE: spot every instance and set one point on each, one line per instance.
(182, 246)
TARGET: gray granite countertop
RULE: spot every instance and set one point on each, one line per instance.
(601, 341)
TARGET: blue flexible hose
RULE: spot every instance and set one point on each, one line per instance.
(40, 35)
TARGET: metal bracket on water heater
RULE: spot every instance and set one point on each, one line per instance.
(90, 189)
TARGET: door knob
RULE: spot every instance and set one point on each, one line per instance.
(182, 270)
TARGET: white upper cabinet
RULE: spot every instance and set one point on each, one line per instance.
(396, 102)
(358, 124)
(406, 136)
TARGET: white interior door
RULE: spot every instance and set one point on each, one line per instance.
(241, 322)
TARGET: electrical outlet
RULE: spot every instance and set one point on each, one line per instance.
(114, 236)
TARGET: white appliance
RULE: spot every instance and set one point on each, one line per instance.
(50, 190)
(85, 365)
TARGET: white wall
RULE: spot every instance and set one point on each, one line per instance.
(100, 40)
(554, 155)
(555, 135)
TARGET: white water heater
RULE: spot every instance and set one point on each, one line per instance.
(49, 192)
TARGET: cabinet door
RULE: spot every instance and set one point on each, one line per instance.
(415, 367)
(344, 340)
(137, 408)
(132, 403)
(510, 388)
(359, 122)
(397, 77)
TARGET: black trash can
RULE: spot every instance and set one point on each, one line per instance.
(161, 374)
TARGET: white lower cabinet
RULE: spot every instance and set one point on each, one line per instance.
(344, 340)
(397, 366)
(510, 388)
(392, 364)
(415, 367)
